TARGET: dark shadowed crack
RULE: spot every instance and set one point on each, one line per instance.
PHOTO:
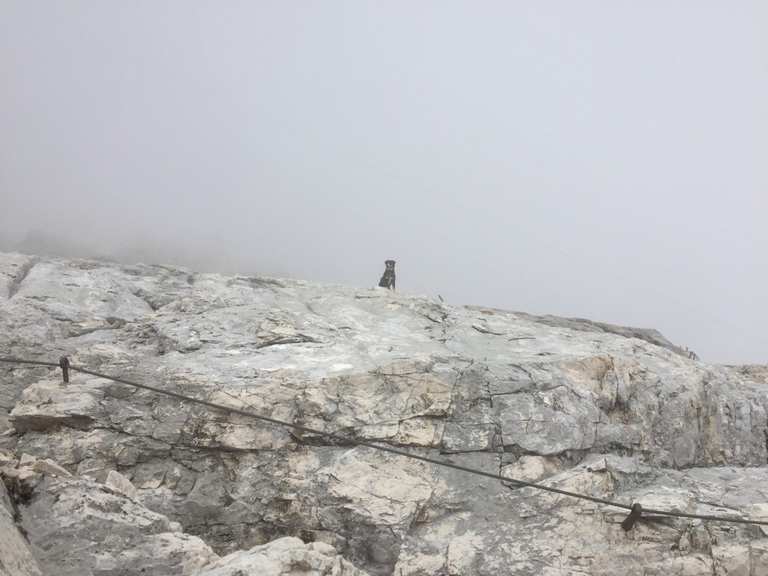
(484, 330)
(524, 371)
(112, 323)
(182, 443)
(148, 299)
(430, 318)
(407, 376)
(459, 375)
(497, 444)
(20, 276)
(436, 314)
(298, 339)
(765, 433)
(260, 282)
(530, 389)
(41, 423)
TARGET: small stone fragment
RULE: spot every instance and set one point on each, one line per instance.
(120, 483)
(48, 466)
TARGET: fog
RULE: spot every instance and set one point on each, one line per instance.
(594, 159)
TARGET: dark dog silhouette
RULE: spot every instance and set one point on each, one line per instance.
(388, 278)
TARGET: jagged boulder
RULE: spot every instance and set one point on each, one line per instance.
(283, 557)
(75, 526)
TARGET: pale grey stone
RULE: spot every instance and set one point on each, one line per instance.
(15, 557)
(48, 466)
(283, 557)
(120, 483)
(619, 413)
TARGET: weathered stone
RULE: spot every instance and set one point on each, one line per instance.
(48, 405)
(27, 460)
(121, 484)
(531, 468)
(283, 557)
(48, 466)
(15, 556)
(76, 527)
(8, 459)
(614, 412)
(22, 480)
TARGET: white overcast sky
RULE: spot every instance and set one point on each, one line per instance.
(602, 159)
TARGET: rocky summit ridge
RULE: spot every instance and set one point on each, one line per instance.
(103, 479)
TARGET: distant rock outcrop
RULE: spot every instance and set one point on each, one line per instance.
(104, 479)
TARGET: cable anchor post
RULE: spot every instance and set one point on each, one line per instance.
(634, 515)
(64, 365)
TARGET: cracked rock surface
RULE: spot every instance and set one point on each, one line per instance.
(614, 412)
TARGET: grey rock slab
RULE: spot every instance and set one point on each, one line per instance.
(50, 405)
(118, 482)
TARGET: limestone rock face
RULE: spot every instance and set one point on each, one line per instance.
(613, 412)
(75, 526)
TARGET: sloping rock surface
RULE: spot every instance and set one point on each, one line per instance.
(613, 412)
(284, 556)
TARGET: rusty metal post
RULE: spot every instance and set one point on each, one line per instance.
(64, 365)
(634, 516)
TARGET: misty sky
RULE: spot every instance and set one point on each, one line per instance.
(603, 159)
